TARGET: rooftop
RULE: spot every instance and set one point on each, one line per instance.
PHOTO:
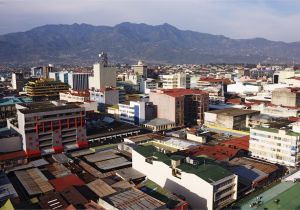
(60, 184)
(177, 92)
(233, 111)
(159, 122)
(46, 106)
(205, 168)
(275, 130)
(14, 100)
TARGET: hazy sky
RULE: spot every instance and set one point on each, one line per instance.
(271, 19)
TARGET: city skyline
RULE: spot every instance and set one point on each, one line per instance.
(272, 20)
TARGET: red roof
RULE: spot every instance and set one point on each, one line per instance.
(294, 119)
(239, 143)
(12, 155)
(215, 80)
(62, 183)
(177, 92)
(234, 101)
(216, 152)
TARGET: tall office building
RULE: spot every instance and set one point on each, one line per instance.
(76, 81)
(37, 72)
(103, 75)
(17, 81)
(140, 69)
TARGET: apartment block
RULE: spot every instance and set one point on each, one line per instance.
(187, 177)
(48, 127)
(182, 106)
(276, 145)
(17, 81)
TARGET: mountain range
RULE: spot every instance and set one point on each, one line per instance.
(129, 42)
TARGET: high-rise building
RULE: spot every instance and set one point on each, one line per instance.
(76, 81)
(17, 81)
(48, 127)
(103, 76)
(140, 69)
(45, 89)
(182, 106)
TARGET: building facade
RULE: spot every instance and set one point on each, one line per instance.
(76, 81)
(136, 112)
(48, 127)
(140, 69)
(103, 76)
(178, 80)
(286, 97)
(182, 106)
(17, 81)
(276, 145)
(45, 89)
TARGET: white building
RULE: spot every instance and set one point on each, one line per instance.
(17, 81)
(276, 111)
(104, 76)
(147, 85)
(178, 80)
(242, 88)
(133, 113)
(276, 145)
(204, 184)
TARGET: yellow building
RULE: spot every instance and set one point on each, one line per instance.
(45, 89)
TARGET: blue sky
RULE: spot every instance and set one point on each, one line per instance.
(271, 19)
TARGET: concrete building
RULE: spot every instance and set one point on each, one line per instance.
(74, 96)
(45, 89)
(103, 76)
(17, 81)
(136, 112)
(48, 127)
(146, 85)
(286, 97)
(231, 118)
(177, 80)
(187, 177)
(182, 106)
(105, 96)
(76, 81)
(276, 111)
(140, 69)
(276, 145)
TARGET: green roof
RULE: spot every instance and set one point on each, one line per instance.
(205, 169)
(14, 100)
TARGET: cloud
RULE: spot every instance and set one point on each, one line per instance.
(275, 20)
